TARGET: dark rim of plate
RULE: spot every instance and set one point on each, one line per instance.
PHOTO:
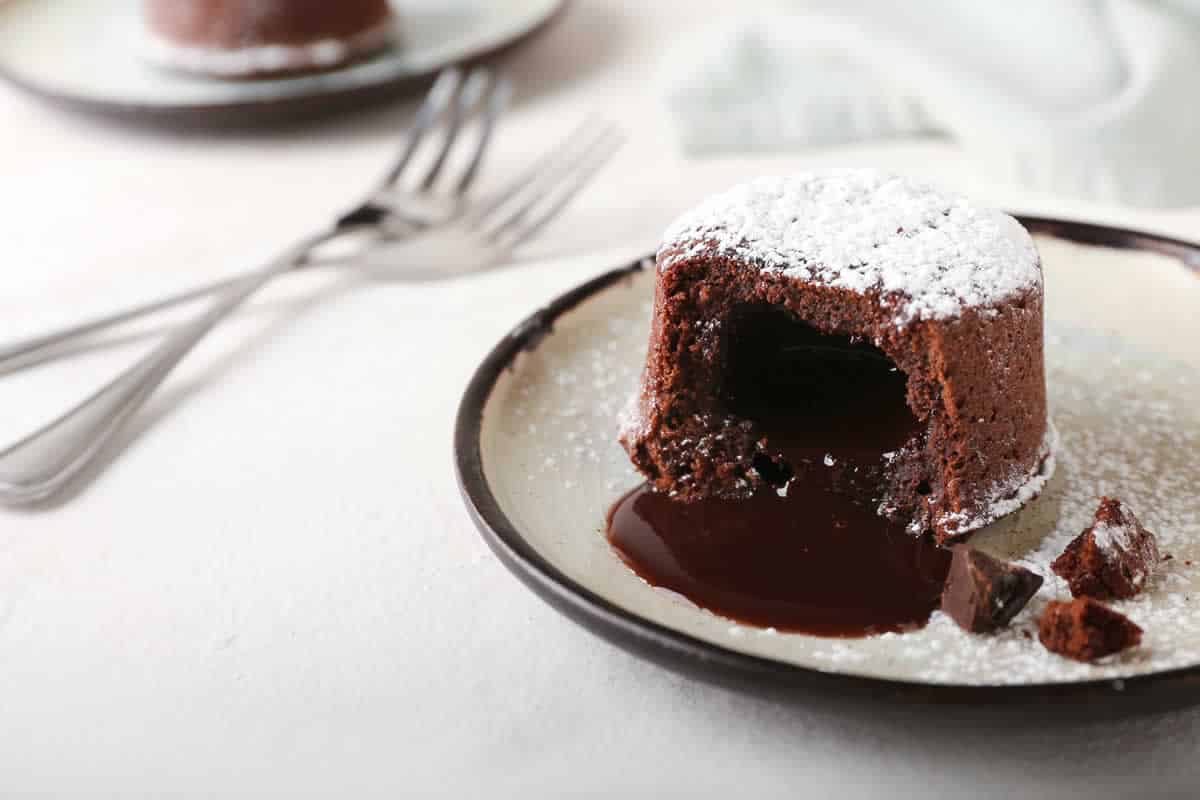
(698, 658)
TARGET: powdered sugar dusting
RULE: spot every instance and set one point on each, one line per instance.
(1113, 536)
(928, 254)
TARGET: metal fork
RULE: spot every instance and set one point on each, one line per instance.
(487, 235)
(391, 211)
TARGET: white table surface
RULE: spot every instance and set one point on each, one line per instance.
(275, 589)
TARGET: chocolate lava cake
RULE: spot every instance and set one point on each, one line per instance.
(894, 328)
(245, 38)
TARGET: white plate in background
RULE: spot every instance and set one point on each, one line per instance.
(88, 54)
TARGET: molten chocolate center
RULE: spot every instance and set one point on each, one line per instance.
(811, 554)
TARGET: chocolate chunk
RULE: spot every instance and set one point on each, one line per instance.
(984, 593)
(1084, 629)
(1112, 558)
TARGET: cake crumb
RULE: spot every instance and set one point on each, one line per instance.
(1113, 557)
(1085, 629)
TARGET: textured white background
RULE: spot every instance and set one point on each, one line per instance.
(274, 590)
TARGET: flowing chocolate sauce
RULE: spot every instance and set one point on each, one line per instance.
(810, 555)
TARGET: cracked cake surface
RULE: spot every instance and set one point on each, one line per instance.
(873, 269)
(924, 253)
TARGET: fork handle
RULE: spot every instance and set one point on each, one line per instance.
(42, 463)
(45, 347)
(39, 349)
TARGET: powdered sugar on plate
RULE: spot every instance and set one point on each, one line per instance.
(1135, 438)
(927, 253)
(1128, 427)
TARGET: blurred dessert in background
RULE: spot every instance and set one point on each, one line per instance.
(260, 38)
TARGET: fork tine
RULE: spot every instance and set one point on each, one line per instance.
(444, 88)
(498, 100)
(474, 88)
(571, 184)
(545, 185)
(493, 202)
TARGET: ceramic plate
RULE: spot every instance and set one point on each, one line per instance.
(540, 466)
(87, 54)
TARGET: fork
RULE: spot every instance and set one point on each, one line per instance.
(41, 464)
(389, 212)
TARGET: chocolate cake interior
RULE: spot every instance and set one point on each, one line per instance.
(825, 403)
(808, 551)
